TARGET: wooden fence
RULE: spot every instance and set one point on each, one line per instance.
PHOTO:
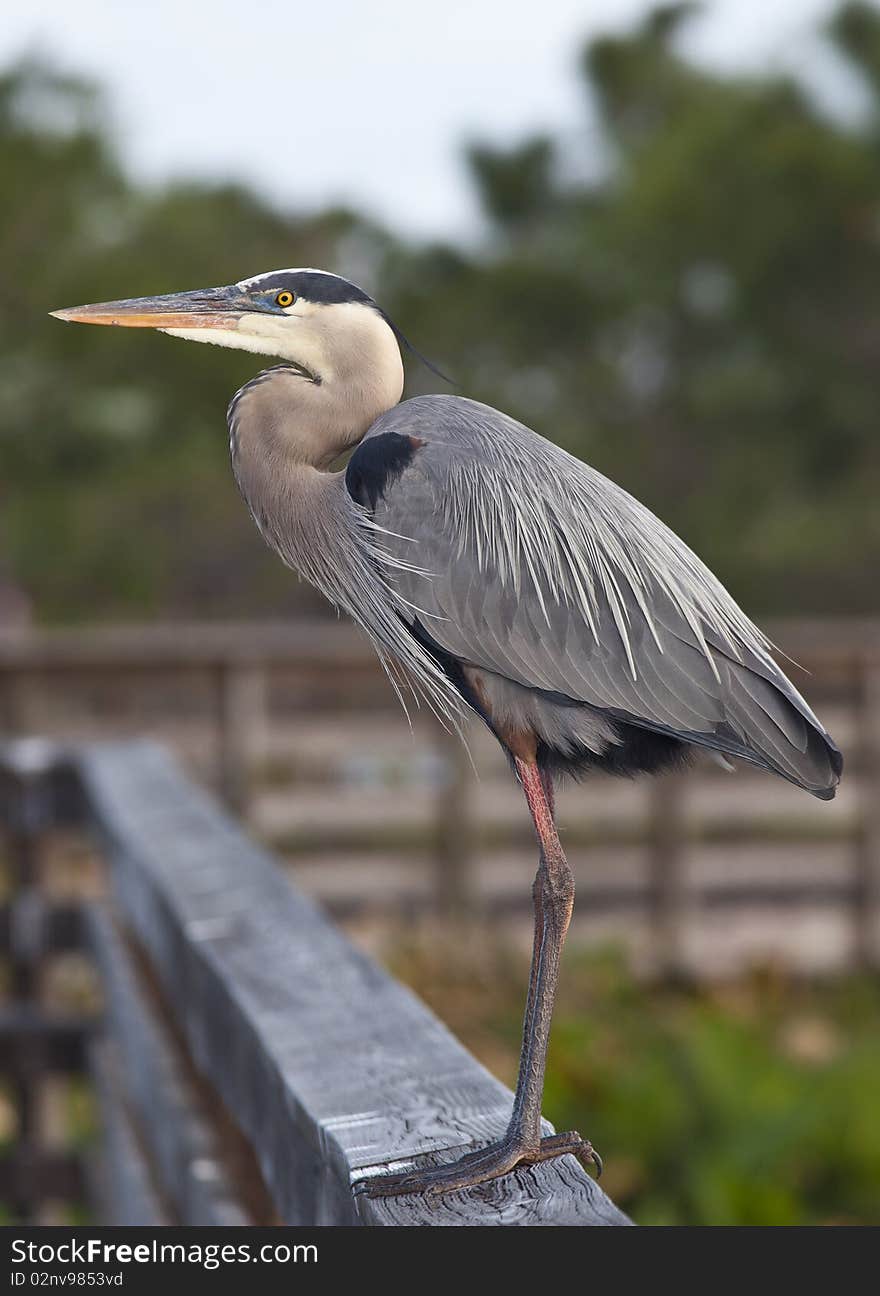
(250, 1063)
(249, 673)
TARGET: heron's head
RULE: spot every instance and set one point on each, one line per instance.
(314, 320)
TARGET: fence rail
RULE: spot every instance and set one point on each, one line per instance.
(332, 667)
(252, 1064)
(249, 674)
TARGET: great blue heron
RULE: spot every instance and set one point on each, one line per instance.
(504, 576)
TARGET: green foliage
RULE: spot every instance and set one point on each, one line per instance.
(701, 322)
(117, 498)
(748, 1105)
(698, 320)
(516, 186)
(752, 1103)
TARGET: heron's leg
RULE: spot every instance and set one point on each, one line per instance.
(553, 897)
(553, 894)
(549, 793)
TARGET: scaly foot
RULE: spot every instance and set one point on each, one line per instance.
(477, 1167)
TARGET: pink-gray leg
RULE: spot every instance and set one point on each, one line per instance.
(553, 895)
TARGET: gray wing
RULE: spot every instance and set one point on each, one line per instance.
(519, 559)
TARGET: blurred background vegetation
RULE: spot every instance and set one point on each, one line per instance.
(747, 1102)
(700, 319)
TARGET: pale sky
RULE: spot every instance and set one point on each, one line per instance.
(368, 102)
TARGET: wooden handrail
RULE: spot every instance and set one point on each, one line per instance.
(327, 1066)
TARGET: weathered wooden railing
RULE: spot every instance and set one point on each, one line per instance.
(252, 1064)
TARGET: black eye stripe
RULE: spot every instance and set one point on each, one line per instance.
(313, 285)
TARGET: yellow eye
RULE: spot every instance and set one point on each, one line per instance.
(285, 298)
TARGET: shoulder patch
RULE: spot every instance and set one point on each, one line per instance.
(377, 463)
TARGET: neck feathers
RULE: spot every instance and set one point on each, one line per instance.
(288, 425)
(343, 371)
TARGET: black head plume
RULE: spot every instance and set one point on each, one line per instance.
(404, 341)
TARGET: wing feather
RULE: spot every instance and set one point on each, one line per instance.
(525, 562)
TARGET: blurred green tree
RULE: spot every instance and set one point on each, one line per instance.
(698, 319)
(117, 497)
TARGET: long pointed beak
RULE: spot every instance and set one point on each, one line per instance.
(202, 308)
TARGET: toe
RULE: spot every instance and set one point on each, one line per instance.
(383, 1185)
(474, 1168)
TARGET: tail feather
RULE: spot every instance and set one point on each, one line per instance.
(777, 725)
(766, 723)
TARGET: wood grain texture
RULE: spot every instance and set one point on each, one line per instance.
(331, 1069)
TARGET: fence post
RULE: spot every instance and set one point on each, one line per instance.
(28, 813)
(867, 890)
(453, 826)
(24, 711)
(666, 873)
(241, 730)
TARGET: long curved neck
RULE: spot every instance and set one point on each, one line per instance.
(286, 427)
(284, 419)
(344, 371)
(289, 424)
